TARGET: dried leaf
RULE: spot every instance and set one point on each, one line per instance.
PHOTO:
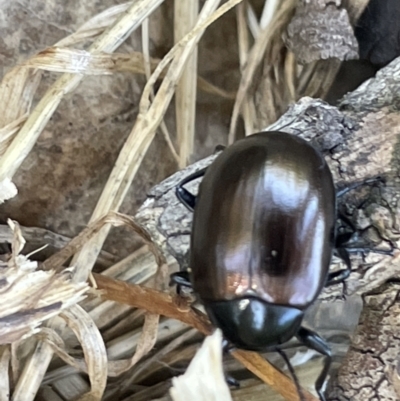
(204, 379)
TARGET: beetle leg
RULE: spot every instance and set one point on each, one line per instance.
(292, 372)
(232, 381)
(341, 275)
(356, 185)
(344, 238)
(186, 197)
(314, 341)
(347, 221)
(181, 279)
(227, 347)
(373, 250)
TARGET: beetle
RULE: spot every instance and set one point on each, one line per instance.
(262, 239)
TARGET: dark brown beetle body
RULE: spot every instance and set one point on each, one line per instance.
(263, 230)
(262, 240)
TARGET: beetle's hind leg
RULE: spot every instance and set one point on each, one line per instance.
(343, 239)
(314, 341)
(186, 197)
(227, 347)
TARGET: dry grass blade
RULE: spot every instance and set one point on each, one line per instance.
(56, 261)
(8, 131)
(290, 75)
(252, 21)
(124, 345)
(148, 69)
(75, 61)
(144, 130)
(30, 296)
(34, 236)
(204, 379)
(152, 301)
(256, 55)
(5, 358)
(36, 366)
(96, 25)
(244, 45)
(60, 349)
(19, 85)
(323, 75)
(270, 7)
(149, 333)
(95, 362)
(146, 342)
(17, 88)
(93, 347)
(159, 355)
(39, 237)
(158, 302)
(108, 42)
(140, 339)
(179, 53)
(185, 98)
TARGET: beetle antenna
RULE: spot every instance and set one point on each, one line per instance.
(292, 373)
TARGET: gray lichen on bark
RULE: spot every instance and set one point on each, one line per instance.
(321, 29)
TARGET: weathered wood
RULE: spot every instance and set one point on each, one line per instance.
(371, 368)
(321, 29)
(360, 139)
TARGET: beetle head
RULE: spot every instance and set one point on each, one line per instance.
(253, 324)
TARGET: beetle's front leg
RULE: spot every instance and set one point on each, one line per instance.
(181, 279)
(341, 275)
(227, 347)
(186, 197)
(314, 341)
(356, 185)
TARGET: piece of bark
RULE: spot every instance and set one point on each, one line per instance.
(321, 29)
(360, 140)
(370, 370)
